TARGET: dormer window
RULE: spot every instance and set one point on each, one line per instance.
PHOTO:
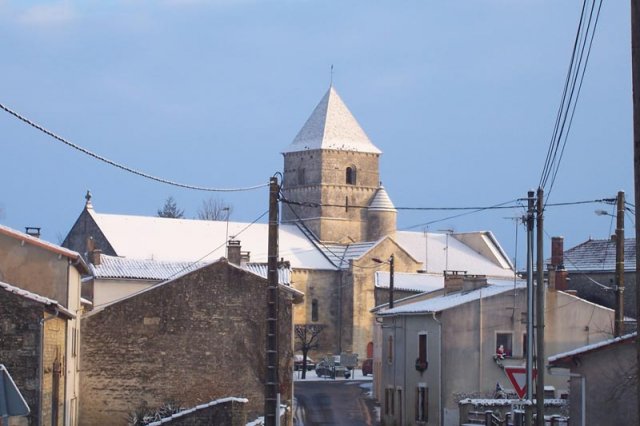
(351, 176)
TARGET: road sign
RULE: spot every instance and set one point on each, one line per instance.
(11, 401)
(518, 378)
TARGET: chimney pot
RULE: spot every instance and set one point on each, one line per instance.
(234, 253)
(557, 252)
(96, 257)
(32, 231)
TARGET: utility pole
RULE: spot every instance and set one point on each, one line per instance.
(618, 329)
(540, 290)
(391, 282)
(272, 382)
(529, 377)
(635, 72)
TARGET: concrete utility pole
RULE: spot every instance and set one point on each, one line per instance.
(272, 382)
(540, 290)
(618, 329)
(635, 71)
(529, 377)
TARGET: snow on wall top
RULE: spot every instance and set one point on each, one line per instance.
(589, 348)
(332, 126)
(189, 240)
(35, 297)
(410, 282)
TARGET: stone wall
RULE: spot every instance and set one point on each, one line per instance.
(197, 338)
(85, 227)
(229, 413)
(20, 342)
(591, 291)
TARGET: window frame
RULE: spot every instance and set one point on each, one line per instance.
(508, 349)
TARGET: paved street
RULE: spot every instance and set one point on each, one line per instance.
(334, 402)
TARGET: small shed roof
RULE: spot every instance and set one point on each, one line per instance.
(565, 356)
(36, 298)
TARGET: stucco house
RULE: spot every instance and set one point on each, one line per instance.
(40, 304)
(438, 349)
(336, 217)
(604, 381)
(197, 337)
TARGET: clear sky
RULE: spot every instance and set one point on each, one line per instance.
(461, 97)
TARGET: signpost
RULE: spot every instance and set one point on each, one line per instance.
(11, 401)
(518, 378)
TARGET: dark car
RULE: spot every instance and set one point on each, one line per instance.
(367, 366)
(297, 363)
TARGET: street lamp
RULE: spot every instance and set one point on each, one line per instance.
(390, 262)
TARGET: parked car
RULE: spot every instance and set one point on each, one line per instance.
(297, 363)
(367, 366)
(324, 369)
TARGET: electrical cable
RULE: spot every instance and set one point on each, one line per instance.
(121, 166)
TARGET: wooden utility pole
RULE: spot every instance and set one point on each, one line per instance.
(635, 71)
(272, 381)
(618, 329)
(529, 360)
(540, 290)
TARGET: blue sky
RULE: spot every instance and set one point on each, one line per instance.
(461, 97)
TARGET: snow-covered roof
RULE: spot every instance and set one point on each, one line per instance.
(112, 267)
(189, 240)
(341, 254)
(54, 248)
(440, 252)
(592, 347)
(410, 282)
(599, 255)
(381, 201)
(442, 303)
(179, 414)
(36, 298)
(332, 126)
(262, 269)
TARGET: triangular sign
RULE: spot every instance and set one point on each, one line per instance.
(518, 378)
(11, 401)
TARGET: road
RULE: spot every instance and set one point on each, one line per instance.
(334, 402)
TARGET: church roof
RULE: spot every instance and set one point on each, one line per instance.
(381, 201)
(332, 126)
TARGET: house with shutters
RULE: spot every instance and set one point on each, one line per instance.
(336, 217)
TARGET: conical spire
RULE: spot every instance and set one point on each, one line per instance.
(332, 126)
(381, 201)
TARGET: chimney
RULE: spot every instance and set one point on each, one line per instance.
(96, 256)
(234, 254)
(473, 282)
(32, 231)
(559, 279)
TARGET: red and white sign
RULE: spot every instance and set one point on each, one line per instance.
(518, 378)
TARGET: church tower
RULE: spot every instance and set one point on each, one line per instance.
(332, 168)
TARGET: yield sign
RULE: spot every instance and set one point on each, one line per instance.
(518, 378)
(11, 401)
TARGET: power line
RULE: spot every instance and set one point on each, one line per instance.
(121, 166)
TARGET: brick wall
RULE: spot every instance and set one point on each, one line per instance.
(197, 338)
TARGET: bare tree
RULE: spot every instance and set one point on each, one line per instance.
(306, 339)
(214, 209)
(170, 209)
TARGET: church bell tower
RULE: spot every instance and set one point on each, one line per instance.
(331, 174)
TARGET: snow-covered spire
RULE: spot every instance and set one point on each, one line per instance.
(381, 201)
(332, 126)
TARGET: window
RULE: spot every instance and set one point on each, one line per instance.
(524, 345)
(422, 403)
(400, 406)
(388, 401)
(421, 361)
(351, 176)
(314, 310)
(504, 345)
(74, 341)
(390, 349)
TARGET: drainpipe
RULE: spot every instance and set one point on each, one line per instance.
(440, 410)
(583, 387)
(41, 363)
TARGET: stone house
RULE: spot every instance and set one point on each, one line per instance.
(589, 268)
(40, 304)
(436, 350)
(197, 337)
(604, 381)
(336, 217)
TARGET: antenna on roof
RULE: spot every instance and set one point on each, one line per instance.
(331, 80)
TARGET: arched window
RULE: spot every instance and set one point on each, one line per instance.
(314, 310)
(351, 176)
